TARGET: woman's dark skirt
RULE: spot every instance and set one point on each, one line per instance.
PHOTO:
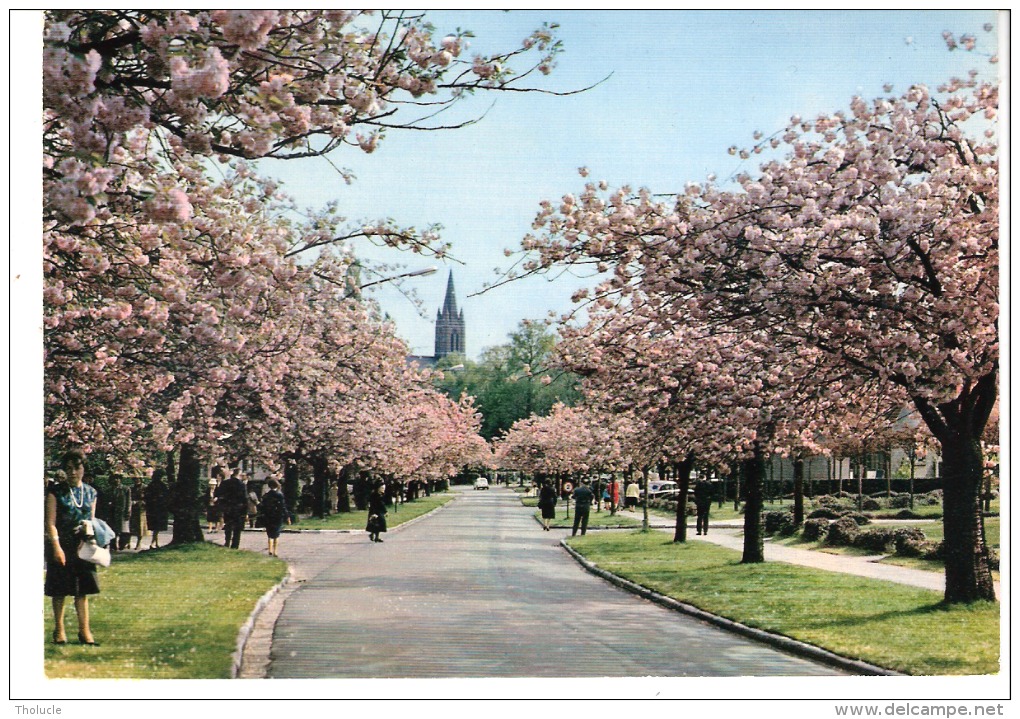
(273, 529)
(376, 523)
(75, 578)
(548, 511)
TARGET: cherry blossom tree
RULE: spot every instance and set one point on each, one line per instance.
(566, 442)
(175, 301)
(873, 242)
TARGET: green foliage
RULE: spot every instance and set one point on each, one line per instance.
(507, 382)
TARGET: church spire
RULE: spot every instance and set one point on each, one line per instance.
(450, 305)
(449, 324)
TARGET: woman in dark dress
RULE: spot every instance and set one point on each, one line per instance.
(273, 511)
(376, 513)
(67, 504)
(547, 503)
(156, 512)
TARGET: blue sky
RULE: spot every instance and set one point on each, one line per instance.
(683, 86)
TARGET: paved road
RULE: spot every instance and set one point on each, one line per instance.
(479, 590)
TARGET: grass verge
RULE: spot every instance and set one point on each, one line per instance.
(395, 515)
(595, 519)
(902, 628)
(171, 613)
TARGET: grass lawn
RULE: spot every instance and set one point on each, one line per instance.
(394, 516)
(171, 613)
(595, 519)
(894, 626)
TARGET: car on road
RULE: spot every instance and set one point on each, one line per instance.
(662, 490)
(481, 483)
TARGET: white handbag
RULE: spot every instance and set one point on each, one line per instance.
(92, 552)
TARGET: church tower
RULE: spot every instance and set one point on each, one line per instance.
(449, 324)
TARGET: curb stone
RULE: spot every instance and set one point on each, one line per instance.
(245, 632)
(793, 646)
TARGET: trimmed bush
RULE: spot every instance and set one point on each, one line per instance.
(880, 539)
(936, 550)
(843, 532)
(859, 518)
(827, 501)
(815, 529)
(876, 539)
(907, 536)
(870, 505)
(826, 513)
(779, 521)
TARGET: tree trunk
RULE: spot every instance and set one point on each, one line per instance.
(798, 492)
(958, 426)
(753, 471)
(968, 575)
(188, 494)
(682, 474)
(644, 478)
(344, 503)
(291, 490)
(320, 485)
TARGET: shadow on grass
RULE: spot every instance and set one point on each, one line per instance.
(926, 609)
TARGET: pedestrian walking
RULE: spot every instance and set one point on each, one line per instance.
(253, 506)
(232, 500)
(334, 496)
(547, 503)
(632, 495)
(120, 513)
(703, 502)
(67, 505)
(139, 524)
(583, 497)
(376, 513)
(613, 489)
(273, 512)
(157, 501)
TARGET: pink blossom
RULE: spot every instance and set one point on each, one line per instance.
(171, 206)
(249, 29)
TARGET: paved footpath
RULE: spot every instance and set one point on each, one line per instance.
(477, 589)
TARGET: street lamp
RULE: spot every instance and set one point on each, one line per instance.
(353, 291)
(415, 273)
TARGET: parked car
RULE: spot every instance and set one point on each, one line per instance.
(481, 483)
(661, 490)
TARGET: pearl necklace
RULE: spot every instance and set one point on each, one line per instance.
(78, 502)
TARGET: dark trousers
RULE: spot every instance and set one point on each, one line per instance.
(581, 518)
(702, 523)
(232, 528)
